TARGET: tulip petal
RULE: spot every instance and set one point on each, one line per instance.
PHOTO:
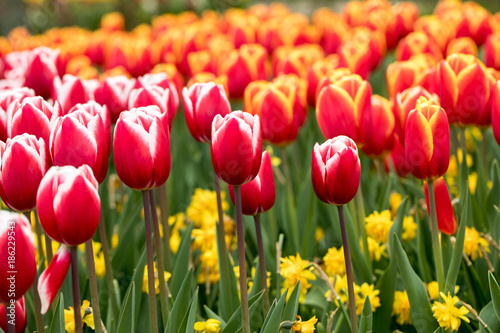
(335, 113)
(418, 144)
(51, 280)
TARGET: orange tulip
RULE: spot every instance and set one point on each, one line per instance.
(381, 139)
(321, 68)
(441, 34)
(464, 45)
(492, 51)
(476, 22)
(296, 60)
(415, 43)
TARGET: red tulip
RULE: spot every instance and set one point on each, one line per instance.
(18, 267)
(236, 147)
(163, 81)
(72, 90)
(6, 98)
(24, 160)
(14, 313)
(258, 195)
(495, 112)
(51, 280)
(79, 138)
(93, 108)
(415, 43)
(33, 116)
(462, 45)
(336, 170)
(492, 51)
(152, 95)
(68, 204)
(444, 209)
(114, 92)
(381, 139)
(141, 148)
(42, 69)
(316, 72)
(475, 22)
(427, 141)
(202, 101)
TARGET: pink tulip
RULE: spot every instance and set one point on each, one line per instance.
(51, 280)
(14, 311)
(114, 92)
(6, 98)
(41, 70)
(161, 80)
(93, 108)
(72, 90)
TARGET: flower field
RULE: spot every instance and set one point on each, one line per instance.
(253, 170)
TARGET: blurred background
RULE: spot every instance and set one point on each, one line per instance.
(40, 15)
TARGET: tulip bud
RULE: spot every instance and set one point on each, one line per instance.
(258, 195)
(141, 148)
(79, 138)
(356, 57)
(336, 170)
(475, 22)
(33, 116)
(495, 111)
(463, 45)
(72, 90)
(51, 280)
(236, 147)
(162, 80)
(15, 312)
(68, 204)
(444, 209)
(18, 267)
(42, 69)
(93, 108)
(344, 108)
(492, 51)
(172, 72)
(438, 34)
(316, 72)
(381, 139)
(415, 43)
(24, 160)
(7, 97)
(114, 93)
(202, 101)
(464, 88)
(427, 141)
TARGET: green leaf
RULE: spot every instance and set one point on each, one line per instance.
(273, 324)
(229, 291)
(126, 322)
(190, 319)
(383, 199)
(365, 323)
(420, 308)
(424, 259)
(138, 278)
(212, 315)
(456, 258)
(306, 210)
(57, 323)
(292, 306)
(180, 307)
(181, 263)
(234, 323)
(489, 316)
(495, 294)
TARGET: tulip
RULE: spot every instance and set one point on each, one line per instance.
(68, 204)
(484, 116)
(296, 60)
(258, 195)
(415, 43)
(492, 51)
(356, 57)
(398, 159)
(114, 93)
(344, 108)
(332, 28)
(495, 112)
(14, 311)
(407, 14)
(72, 90)
(24, 160)
(93, 108)
(316, 72)
(438, 34)
(173, 73)
(475, 23)
(462, 45)
(444, 209)
(202, 101)
(381, 139)
(51, 280)
(141, 148)
(236, 147)
(42, 69)
(8, 96)
(464, 88)
(152, 95)
(405, 102)
(331, 78)
(79, 138)
(18, 265)
(33, 116)
(336, 170)
(427, 141)
(163, 81)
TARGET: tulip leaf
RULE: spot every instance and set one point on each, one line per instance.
(424, 259)
(57, 323)
(307, 212)
(234, 323)
(456, 258)
(126, 320)
(489, 316)
(495, 294)
(191, 317)
(181, 263)
(180, 308)
(273, 323)
(138, 278)
(292, 306)
(493, 197)
(212, 315)
(387, 282)
(228, 292)
(420, 308)
(383, 199)
(365, 322)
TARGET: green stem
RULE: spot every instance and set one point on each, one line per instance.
(262, 263)
(360, 214)
(348, 269)
(245, 318)
(93, 286)
(150, 261)
(291, 204)
(107, 264)
(165, 214)
(339, 324)
(48, 242)
(76, 289)
(165, 309)
(438, 257)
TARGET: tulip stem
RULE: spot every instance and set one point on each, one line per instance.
(348, 270)
(107, 264)
(360, 217)
(165, 214)
(48, 241)
(290, 199)
(76, 289)
(165, 309)
(262, 263)
(93, 285)
(150, 263)
(245, 318)
(436, 245)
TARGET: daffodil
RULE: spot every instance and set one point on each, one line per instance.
(409, 228)
(447, 314)
(378, 225)
(394, 202)
(433, 290)
(295, 269)
(304, 326)
(209, 326)
(334, 262)
(376, 249)
(361, 292)
(145, 286)
(87, 317)
(401, 307)
(472, 243)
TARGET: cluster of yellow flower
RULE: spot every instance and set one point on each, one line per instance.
(360, 292)
(294, 269)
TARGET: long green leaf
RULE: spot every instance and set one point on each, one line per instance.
(273, 324)
(57, 323)
(365, 323)
(212, 315)
(180, 308)
(489, 316)
(228, 291)
(181, 263)
(495, 294)
(420, 308)
(190, 319)
(126, 322)
(234, 323)
(292, 306)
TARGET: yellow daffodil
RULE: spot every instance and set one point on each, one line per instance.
(433, 290)
(361, 292)
(334, 262)
(145, 287)
(401, 307)
(87, 317)
(376, 249)
(409, 228)
(378, 225)
(304, 326)
(209, 326)
(394, 202)
(471, 243)
(319, 234)
(295, 269)
(447, 314)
